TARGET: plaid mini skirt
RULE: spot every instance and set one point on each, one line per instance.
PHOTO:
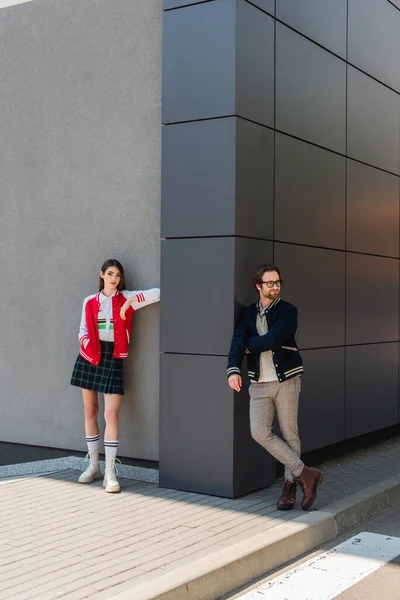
(107, 378)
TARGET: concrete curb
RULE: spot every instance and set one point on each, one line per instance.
(223, 571)
(356, 508)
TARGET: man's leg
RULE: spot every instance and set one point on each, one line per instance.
(286, 402)
(262, 413)
(287, 405)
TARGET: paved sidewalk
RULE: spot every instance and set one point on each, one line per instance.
(63, 540)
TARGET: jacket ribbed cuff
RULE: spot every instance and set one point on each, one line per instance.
(233, 371)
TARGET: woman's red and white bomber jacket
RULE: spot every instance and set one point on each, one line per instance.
(90, 350)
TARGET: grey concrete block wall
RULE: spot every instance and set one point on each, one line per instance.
(79, 183)
(328, 209)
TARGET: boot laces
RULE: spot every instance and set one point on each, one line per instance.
(111, 468)
(303, 484)
(92, 457)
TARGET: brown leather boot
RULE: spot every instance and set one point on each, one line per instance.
(309, 480)
(288, 496)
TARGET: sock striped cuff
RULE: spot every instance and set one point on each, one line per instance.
(111, 447)
(92, 442)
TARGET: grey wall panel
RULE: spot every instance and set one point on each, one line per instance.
(197, 279)
(372, 210)
(373, 122)
(199, 63)
(371, 399)
(249, 254)
(203, 436)
(372, 299)
(79, 183)
(217, 175)
(309, 194)
(255, 47)
(314, 281)
(322, 398)
(374, 40)
(310, 91)
(198, 178)
(324, 21)
(254, 180)
(191, 419)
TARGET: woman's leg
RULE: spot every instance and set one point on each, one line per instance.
(112, 404)
(91, 409)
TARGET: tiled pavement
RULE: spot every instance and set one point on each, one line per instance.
(63, 540)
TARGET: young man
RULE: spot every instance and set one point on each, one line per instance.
(265, 332)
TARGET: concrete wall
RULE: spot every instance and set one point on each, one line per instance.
(80, 84)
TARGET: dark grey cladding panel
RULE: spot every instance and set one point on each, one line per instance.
(372, 210)
(254, 180)
(197, 311)
(373, 122)
(198, 178)
(205, 442)
(372, 394)
(178, 3)
(249, 254)
(199, 61)
(310, 193)
(310, 91)
(255, 64)
(314, 281)
(374, 39)
(196, 425)
(322, 398)
(372, 299)
(217, 179)
(205, 284)
(321, 20)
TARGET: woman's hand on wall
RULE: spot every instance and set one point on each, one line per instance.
(126, 305)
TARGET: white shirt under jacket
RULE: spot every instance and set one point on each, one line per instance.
(106, 326)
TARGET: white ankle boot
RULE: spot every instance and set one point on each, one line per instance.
(93, 471)
(110, 476)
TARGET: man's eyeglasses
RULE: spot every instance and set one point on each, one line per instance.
(270, 284)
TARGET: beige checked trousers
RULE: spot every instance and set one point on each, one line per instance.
(280, 399)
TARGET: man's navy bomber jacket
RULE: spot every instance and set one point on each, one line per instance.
(282, 326)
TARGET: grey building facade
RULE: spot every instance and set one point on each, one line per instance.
(237, 132)
(281, 143)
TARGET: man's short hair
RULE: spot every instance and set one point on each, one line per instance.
(259, 273)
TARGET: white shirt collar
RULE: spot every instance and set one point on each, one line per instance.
(104, 297)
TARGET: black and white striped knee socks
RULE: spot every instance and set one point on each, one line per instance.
(93, 442)
(111, 447)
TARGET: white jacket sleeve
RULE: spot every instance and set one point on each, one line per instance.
(144, 297)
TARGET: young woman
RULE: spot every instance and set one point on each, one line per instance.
(104, 339)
